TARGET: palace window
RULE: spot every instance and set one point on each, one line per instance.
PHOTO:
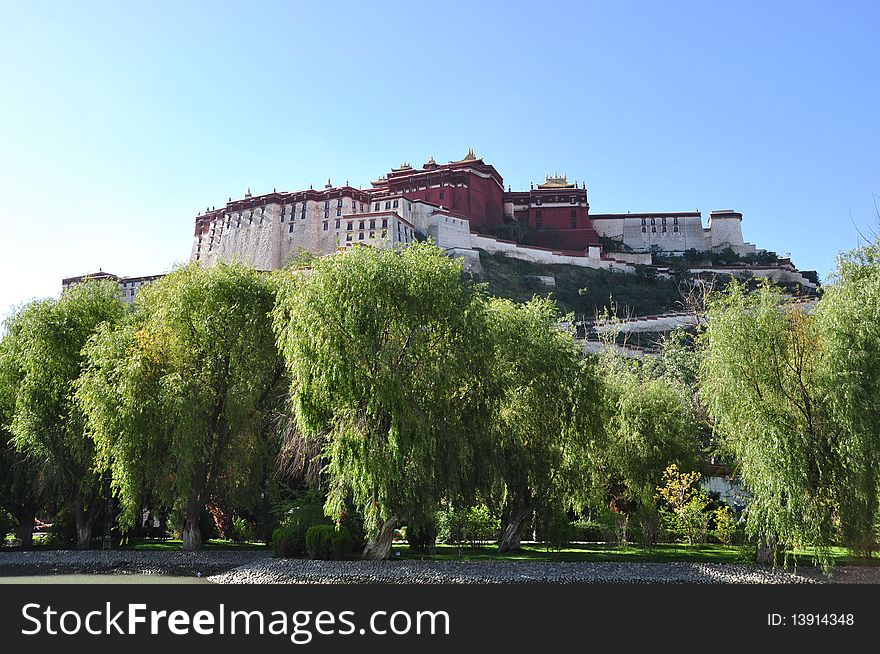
(652, 221)
(348, 237)
(338, 222)
(538, 201)
(290, 229)
(339, 202)
(644, 229)
(326, 225)
(372, 224)
(372, 234)
(388, 205)
(326, 213)
(653, 229)
(384, 233)
(361, 236)
(395, 204)
(350, 226)
(572, 199)
(326, 204)
(675, 221)
(675, 228)
(361, 225)
(377, 207)
(664, 228)
(664, 221)
(384, 223)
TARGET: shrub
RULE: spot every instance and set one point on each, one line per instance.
(298, 516)
(240, 530)
(456, 526)
(686, 511)
(558, 531)
(285, 541)
(328, 542)
(725, 525)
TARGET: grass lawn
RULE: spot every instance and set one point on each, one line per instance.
(176, 544)
(624, 553)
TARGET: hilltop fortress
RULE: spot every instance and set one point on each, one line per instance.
(463, 206)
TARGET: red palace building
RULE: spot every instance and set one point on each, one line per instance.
(556, 212)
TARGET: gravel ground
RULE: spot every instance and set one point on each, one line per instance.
(257, 567)
(126, 562)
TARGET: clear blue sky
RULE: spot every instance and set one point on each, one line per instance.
(120, 121)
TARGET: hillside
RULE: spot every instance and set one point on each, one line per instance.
(578, 290)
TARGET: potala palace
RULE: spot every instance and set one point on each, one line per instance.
(463, 206)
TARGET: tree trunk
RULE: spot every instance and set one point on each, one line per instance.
(649, 529)
(83, 526)
(380, 548)
(510, 539)
(192, 535)
(24, 532)
(768, 550)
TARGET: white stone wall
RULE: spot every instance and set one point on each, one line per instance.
(690, 232)
(535, 255)
(449, 232)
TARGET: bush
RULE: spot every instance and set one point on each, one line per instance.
(686, 506)
(285, 542)
(558, 532)
(458, 526)
(297, 517)
(241, 530)
(63, 530)
(725, 525)
(328, 542)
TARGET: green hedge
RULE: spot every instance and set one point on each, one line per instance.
(328, 542)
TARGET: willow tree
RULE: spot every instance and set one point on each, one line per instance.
(23, 480)
(548, 413)
(387, 356)
(651, 425)
(48, 425)
(848, 318)
(178, 399)
(761, 378)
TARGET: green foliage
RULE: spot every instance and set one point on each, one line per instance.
(286, 542)
(511, 230)
(242, 530)
(725, 525)
(457, 526)
(179, 397)
(848, 322)
(559, 530)
(386, 355)
(549, 412)
(579, 290)
(46, 338)
(767, 382)
(297, 516)
(651, 425)
(328, 542)
(686, 510)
